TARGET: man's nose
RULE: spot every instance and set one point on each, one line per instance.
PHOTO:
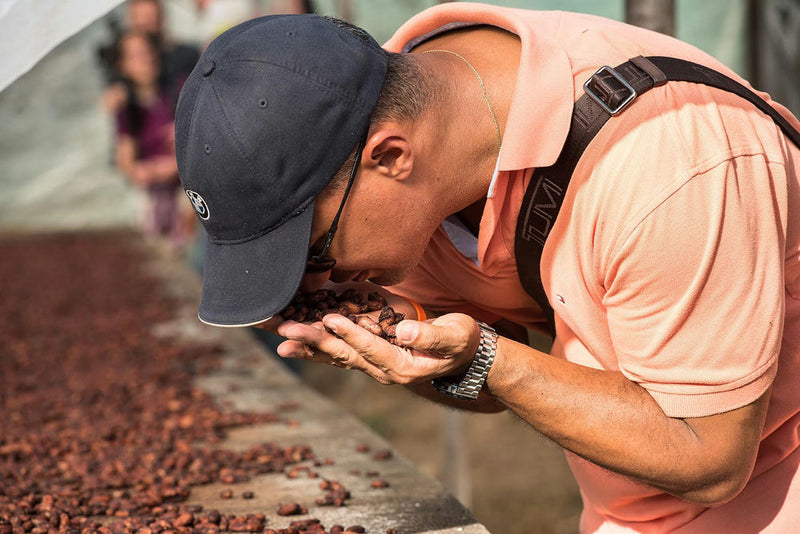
(313, 281)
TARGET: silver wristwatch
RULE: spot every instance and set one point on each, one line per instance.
(469, 385)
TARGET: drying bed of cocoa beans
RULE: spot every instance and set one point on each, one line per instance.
(101, 427)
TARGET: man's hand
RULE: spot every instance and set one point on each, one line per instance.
(444, 346)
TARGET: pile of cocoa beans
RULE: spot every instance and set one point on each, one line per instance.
(311, 307)
(101, 427)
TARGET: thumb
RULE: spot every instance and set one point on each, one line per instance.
(448, 335)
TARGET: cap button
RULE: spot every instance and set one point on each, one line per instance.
(208, 68)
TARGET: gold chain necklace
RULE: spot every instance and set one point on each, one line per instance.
(483, 90)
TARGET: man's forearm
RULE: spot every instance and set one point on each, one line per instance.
(613, 422)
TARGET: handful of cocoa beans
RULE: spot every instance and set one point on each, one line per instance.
(310, 307)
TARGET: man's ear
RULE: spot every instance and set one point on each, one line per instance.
(388, 151)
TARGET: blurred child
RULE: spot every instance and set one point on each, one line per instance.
(145, 144)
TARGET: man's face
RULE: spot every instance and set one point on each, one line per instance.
(383, 231)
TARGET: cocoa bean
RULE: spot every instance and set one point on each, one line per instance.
(386, 323)
(374, 295)
(373, 305)
(383, 454)
(291, 509)
(184, 520)
(349, 294)
(350, 308)
(387, 314)
(368, 324)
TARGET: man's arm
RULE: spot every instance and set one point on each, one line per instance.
(485, 403)
(599, 415)
(613, 422)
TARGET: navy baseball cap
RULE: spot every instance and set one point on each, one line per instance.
(270, 112)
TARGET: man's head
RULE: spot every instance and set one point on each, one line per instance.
(265, 125)
(382, 205)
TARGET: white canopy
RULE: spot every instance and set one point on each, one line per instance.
(29, 29)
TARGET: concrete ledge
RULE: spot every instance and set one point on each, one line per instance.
(252, 379)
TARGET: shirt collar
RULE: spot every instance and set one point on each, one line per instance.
(541, 106)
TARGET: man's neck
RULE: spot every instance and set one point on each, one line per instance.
(471, 152)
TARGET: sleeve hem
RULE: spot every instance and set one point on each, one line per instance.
(682, 405)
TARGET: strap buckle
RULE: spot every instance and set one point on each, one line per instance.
(601, 88)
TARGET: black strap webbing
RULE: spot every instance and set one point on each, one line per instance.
(608, 92)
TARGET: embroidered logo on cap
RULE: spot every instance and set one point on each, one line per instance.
(199, 204)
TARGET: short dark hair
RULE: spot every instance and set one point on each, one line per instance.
(407, 92)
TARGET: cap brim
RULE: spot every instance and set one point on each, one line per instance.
(247, 283)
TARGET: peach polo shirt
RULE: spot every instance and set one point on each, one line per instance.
(674, 259)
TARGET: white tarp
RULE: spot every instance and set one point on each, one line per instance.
(29, 29)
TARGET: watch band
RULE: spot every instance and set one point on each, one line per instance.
(469, 385)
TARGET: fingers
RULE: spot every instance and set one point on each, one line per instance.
(392, 363)
(348, 331)
(315, 342)
(295, 349)
(438, 348)
(450, 335)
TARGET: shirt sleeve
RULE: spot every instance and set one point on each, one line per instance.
(695, 293)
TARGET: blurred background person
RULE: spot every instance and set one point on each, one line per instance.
(176, 59)
(216, 16)
(145, 144)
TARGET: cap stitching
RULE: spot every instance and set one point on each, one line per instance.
(237, 143)
(253, 168)
(303, 207)
(232, 132)
(181, 155)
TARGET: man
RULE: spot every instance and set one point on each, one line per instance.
(673, 266)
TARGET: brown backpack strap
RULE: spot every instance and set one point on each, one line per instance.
(607, 93)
